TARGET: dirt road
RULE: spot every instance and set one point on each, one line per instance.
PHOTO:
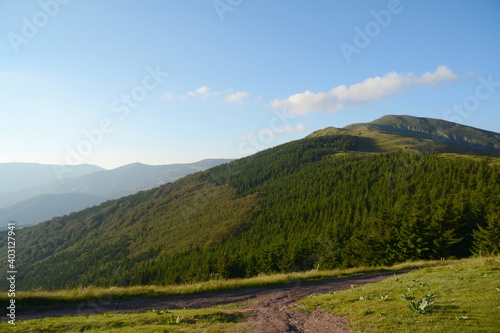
(271, 307)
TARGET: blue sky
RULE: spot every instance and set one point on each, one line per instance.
(158, 82)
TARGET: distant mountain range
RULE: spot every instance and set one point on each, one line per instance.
(37, 195)
(399, 188)
(19, 176)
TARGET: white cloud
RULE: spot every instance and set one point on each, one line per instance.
(202, 92)
(237, 97)
(342, 97)
(442, 74)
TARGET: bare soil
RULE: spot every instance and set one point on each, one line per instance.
(271, 309)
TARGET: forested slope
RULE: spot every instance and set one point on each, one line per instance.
(319, 202)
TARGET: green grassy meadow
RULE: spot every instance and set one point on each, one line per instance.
(203, 320)
(466, 296)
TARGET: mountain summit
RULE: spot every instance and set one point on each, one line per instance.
(434, 129)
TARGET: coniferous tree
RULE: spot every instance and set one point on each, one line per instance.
(487, 236)
(444, 228)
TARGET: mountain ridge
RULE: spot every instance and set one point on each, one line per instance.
(325, 201)
(438, 130)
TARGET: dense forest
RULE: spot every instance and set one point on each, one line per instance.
(319, 202)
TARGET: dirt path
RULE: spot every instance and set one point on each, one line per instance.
(272, 307)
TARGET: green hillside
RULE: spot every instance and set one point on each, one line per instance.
(334, 199)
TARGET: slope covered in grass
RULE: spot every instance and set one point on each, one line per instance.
(433, 129)
(465, 296)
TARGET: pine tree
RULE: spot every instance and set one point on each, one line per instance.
(414, 234)
(487, 237)
(444, 225)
